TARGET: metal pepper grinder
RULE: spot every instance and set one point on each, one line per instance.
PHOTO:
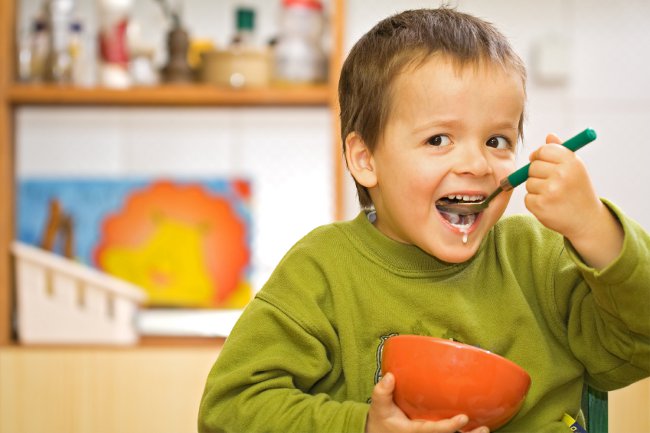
(177, 69)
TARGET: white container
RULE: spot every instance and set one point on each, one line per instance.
(60, 301)
(299, 56)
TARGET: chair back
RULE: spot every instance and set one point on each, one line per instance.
(594, 407)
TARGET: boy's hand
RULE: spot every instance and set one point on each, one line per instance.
(385, 417)
(561, 196)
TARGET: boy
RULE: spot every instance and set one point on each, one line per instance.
(432, 106)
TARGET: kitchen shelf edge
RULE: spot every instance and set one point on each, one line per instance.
(170, 95)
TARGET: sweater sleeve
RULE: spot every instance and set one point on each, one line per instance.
(276, 366)
(607, 312)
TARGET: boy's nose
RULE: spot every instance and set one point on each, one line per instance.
(473, 161)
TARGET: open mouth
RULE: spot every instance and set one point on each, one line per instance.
(461, 222)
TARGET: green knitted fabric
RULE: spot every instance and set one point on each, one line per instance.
(305, 354)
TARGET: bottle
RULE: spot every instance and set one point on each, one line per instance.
(39, 48)
(58, 68)
(76, 50)
(24, 51)
(245, 29)
(114, 55)
(299, 56)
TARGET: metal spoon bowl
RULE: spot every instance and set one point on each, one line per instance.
(468, 208)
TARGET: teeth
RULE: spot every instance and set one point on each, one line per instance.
(465, 197)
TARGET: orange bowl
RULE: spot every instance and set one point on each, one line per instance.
(437, 379)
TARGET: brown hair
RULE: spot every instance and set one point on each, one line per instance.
(405, 39)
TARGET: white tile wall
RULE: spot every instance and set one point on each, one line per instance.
(286, 153)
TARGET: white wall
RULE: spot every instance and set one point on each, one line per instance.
(287, 151)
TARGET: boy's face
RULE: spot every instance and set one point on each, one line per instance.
(451, 132)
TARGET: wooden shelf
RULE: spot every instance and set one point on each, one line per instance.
(170, 95)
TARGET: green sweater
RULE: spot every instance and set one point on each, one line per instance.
(304, 355)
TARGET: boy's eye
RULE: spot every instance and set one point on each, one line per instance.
(439, 140)
(499, 142)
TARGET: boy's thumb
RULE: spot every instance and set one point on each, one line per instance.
(388, 382)
(383, 391)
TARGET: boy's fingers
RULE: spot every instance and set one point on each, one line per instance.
(552, 138)
(382, 402)
(550, 152)
(481, 430)
(541, 169)
(443, 426)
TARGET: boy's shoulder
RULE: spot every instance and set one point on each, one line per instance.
(321, 240)
(299, 283)
(331, 233)
(329, 245)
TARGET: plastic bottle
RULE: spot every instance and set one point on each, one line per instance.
(299, 55)
(114, 53)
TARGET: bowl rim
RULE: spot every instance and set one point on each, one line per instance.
(458, 345)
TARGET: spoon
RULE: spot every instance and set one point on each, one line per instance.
(513, 180)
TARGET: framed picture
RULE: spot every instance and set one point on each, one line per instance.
(186, 243)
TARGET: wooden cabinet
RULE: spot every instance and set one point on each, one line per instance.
(628, 408)
(7, 62)
(103, 390)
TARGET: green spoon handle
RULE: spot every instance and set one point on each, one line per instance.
(574, 143)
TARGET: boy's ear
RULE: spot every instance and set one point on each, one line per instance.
(360, 160)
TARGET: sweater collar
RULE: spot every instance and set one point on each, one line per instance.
(397, 256)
